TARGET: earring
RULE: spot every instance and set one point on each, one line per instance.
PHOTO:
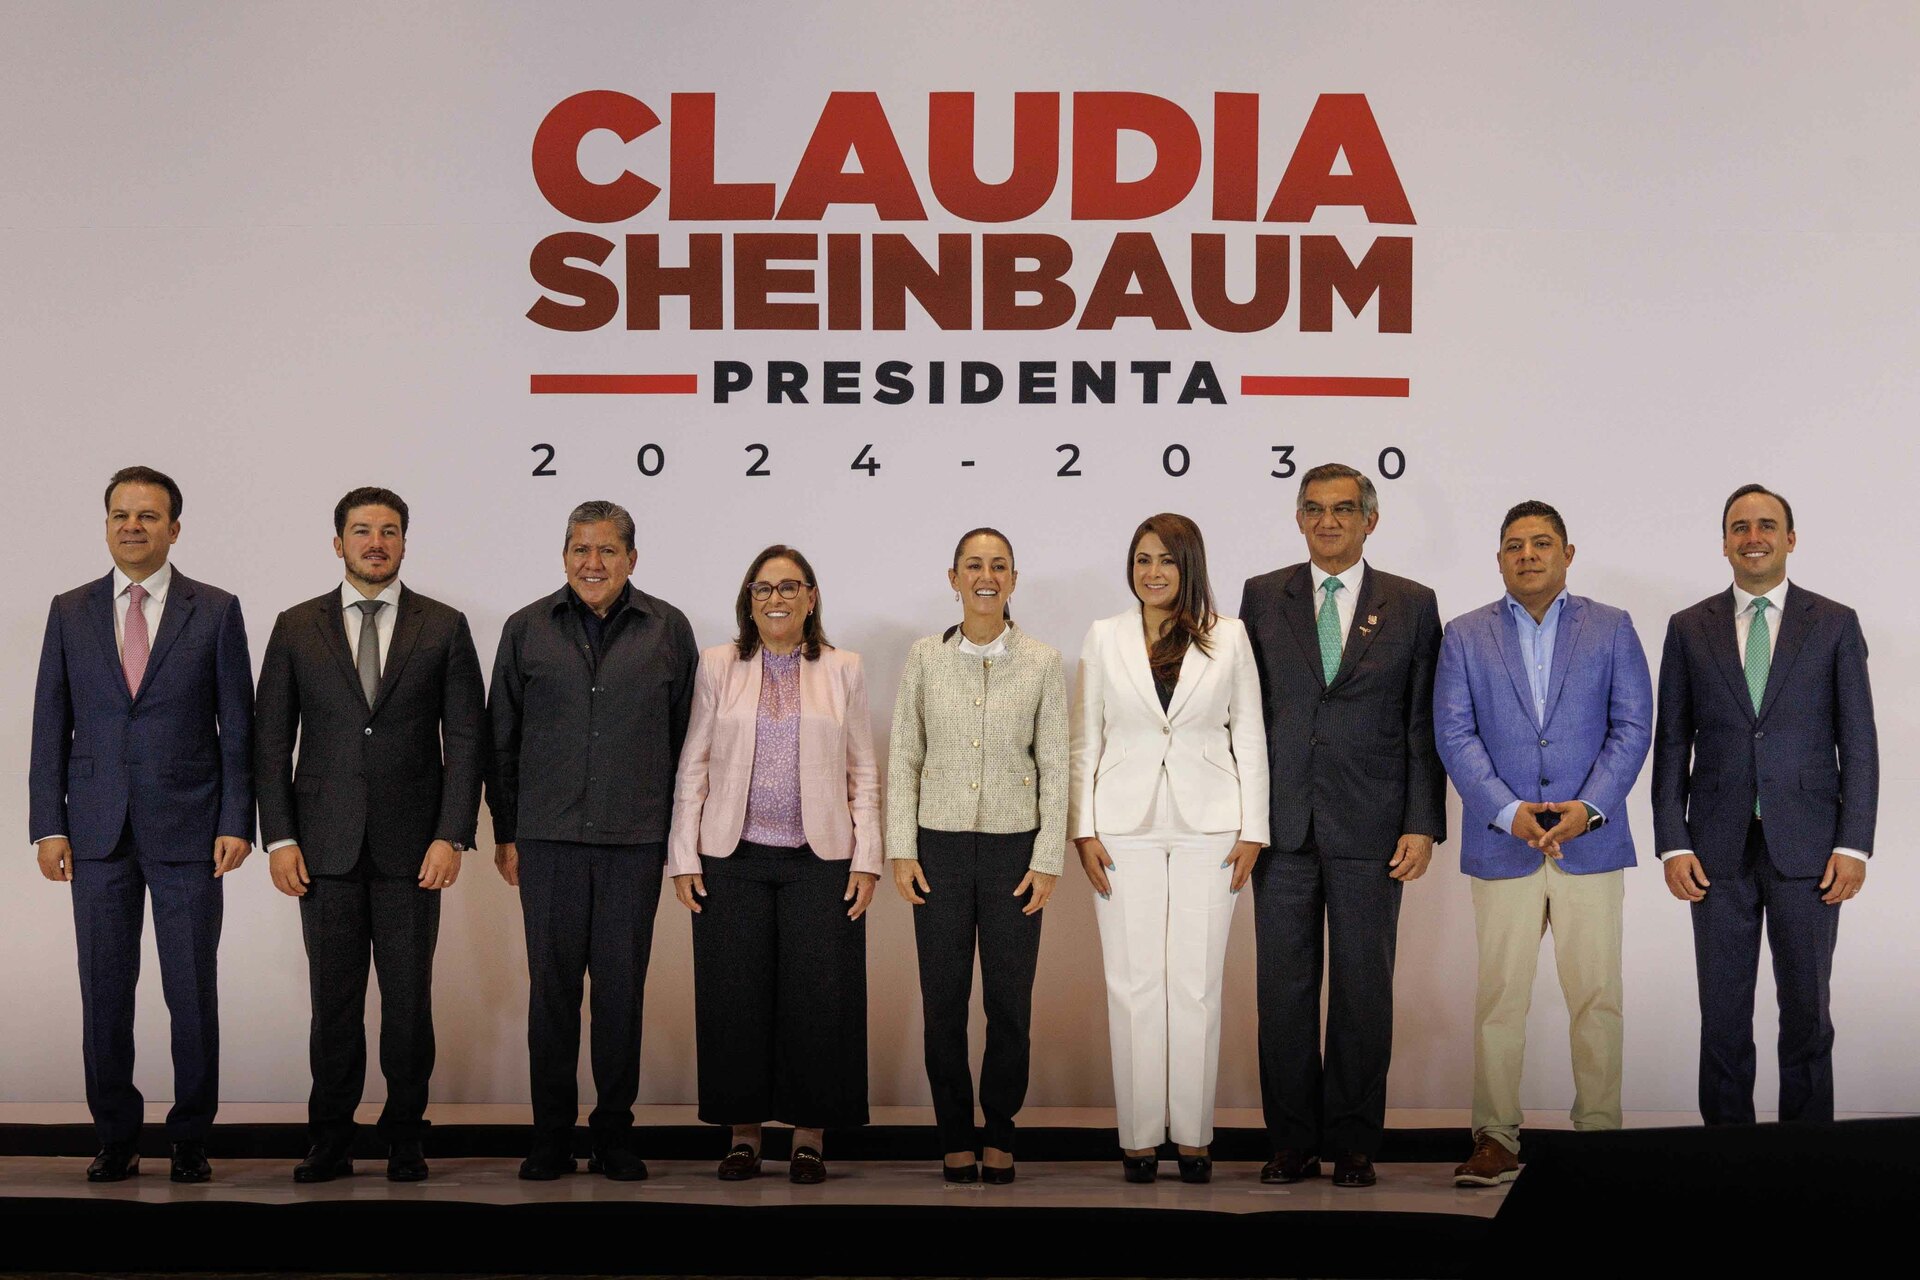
(956, 597)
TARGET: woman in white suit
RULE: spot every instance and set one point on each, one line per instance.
(1168, 806)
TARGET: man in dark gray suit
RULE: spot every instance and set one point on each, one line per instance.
(592, 690)
(380, 686)
(1347, 657)
(1766, 774)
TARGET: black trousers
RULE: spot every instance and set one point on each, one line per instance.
(780, 991)
(348, 921)
(971, 878)
(1337, 1105)
(109, 911)
(1801, 933)
(589, 909)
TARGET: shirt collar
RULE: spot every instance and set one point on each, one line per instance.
(994, 648)
(156, 583)
(1522, 612)
(350, 594)
(1776, 599)
(1349, 577)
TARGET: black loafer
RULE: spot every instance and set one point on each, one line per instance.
(999, 1177)
(1140, 1168)
(1196, 1168)
(1354, 1170)
(116, 1161)
(406, 1162)
(741, 1163)
(960, 1173)
(545, 1166)
(618, 1164)
(805, 1167)
(328, 1160)
(190, 1162)
(1289, 1166)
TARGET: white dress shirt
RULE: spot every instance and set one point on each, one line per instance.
(1743, 627)
(350, 599)
(1346, 599)
(152, 607)
(994, 648)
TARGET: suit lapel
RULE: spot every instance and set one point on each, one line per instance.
(1298, 609)
(100, 622)
(1193, 669)
(1566, 638)
(1796, 621)
(406, 631)
(1504, 630)
(1135, 658)
(173, 620)
(1369, 615)
(330, 618)
(1723, 640)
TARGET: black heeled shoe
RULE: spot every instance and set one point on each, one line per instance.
(1140, 1168)
(960, 1173)
(1196, 1168)
(997, 1177)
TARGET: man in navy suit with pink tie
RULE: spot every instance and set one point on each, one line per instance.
(140, 784)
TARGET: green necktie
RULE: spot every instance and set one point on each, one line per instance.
(1329, 627)
(1759, 663)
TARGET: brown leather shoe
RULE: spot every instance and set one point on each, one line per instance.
(1290, 1166)
(741, 1163)
(1354, 1170)
(805, 1167)
(1490, 1165)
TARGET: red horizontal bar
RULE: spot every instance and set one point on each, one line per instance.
(1264, 385)
(614, 384)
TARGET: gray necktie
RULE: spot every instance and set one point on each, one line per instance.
(368, 661)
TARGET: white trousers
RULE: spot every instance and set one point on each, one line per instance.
(1163, 941)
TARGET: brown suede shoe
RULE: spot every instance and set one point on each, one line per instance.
(1490, 1165)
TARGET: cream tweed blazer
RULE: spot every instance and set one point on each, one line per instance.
(980, 745)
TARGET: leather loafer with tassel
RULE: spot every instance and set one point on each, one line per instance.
(116, 1162)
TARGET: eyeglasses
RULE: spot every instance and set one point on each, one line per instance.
(788, 590)
(1342, 511)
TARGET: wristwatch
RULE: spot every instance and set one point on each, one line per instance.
(1595, 819)
(461, 848)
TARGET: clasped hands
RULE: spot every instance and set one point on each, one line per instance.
(1568, 822)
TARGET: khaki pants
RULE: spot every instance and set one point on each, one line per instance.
(1510, 916)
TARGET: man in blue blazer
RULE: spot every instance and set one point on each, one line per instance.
(1543, 712)
(1766, 774)
(140, 783)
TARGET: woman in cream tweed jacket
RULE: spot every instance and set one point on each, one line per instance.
(977, 822)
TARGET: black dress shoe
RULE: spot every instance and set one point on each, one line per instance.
(1196, 1168)
(545, 1166)
(1140, 1168)
(1354, 1170)
(190, 1162)
(406, 1162)
(328, 1160)
(618, 1164)
(960, 1173)
(741, 1163)
(805, 1167)
(1290, 1166)
(115, 1161)
(998, 1177)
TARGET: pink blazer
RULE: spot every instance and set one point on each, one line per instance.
(839, 777)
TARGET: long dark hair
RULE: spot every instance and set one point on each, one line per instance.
(812, 639)
(1193, 611)
(1006, 610)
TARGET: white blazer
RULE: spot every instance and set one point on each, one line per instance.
(1211, 738)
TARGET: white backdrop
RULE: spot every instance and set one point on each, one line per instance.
(279, 250)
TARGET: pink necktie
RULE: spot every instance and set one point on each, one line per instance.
(133, 652)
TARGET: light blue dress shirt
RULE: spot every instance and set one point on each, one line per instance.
(1536, 652)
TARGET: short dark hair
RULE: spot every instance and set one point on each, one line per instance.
(812, 639)
(1369, 496)
(596, 511)
(368, 496)
(1533, 507)
(1746, 489)
(146, 475)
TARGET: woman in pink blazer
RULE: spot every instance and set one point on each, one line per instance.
(775, 848)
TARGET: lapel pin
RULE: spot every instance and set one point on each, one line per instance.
(1373, 619)
(1366, 631)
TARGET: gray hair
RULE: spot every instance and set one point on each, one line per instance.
(594, 513)
(1369, 497)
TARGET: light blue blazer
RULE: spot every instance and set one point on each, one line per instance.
(1599, 724)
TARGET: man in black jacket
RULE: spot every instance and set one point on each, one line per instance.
(592, 689)
(1347, 656)
(381, 688)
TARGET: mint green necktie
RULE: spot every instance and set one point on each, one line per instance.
(1759, 663)
(1329, 628)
